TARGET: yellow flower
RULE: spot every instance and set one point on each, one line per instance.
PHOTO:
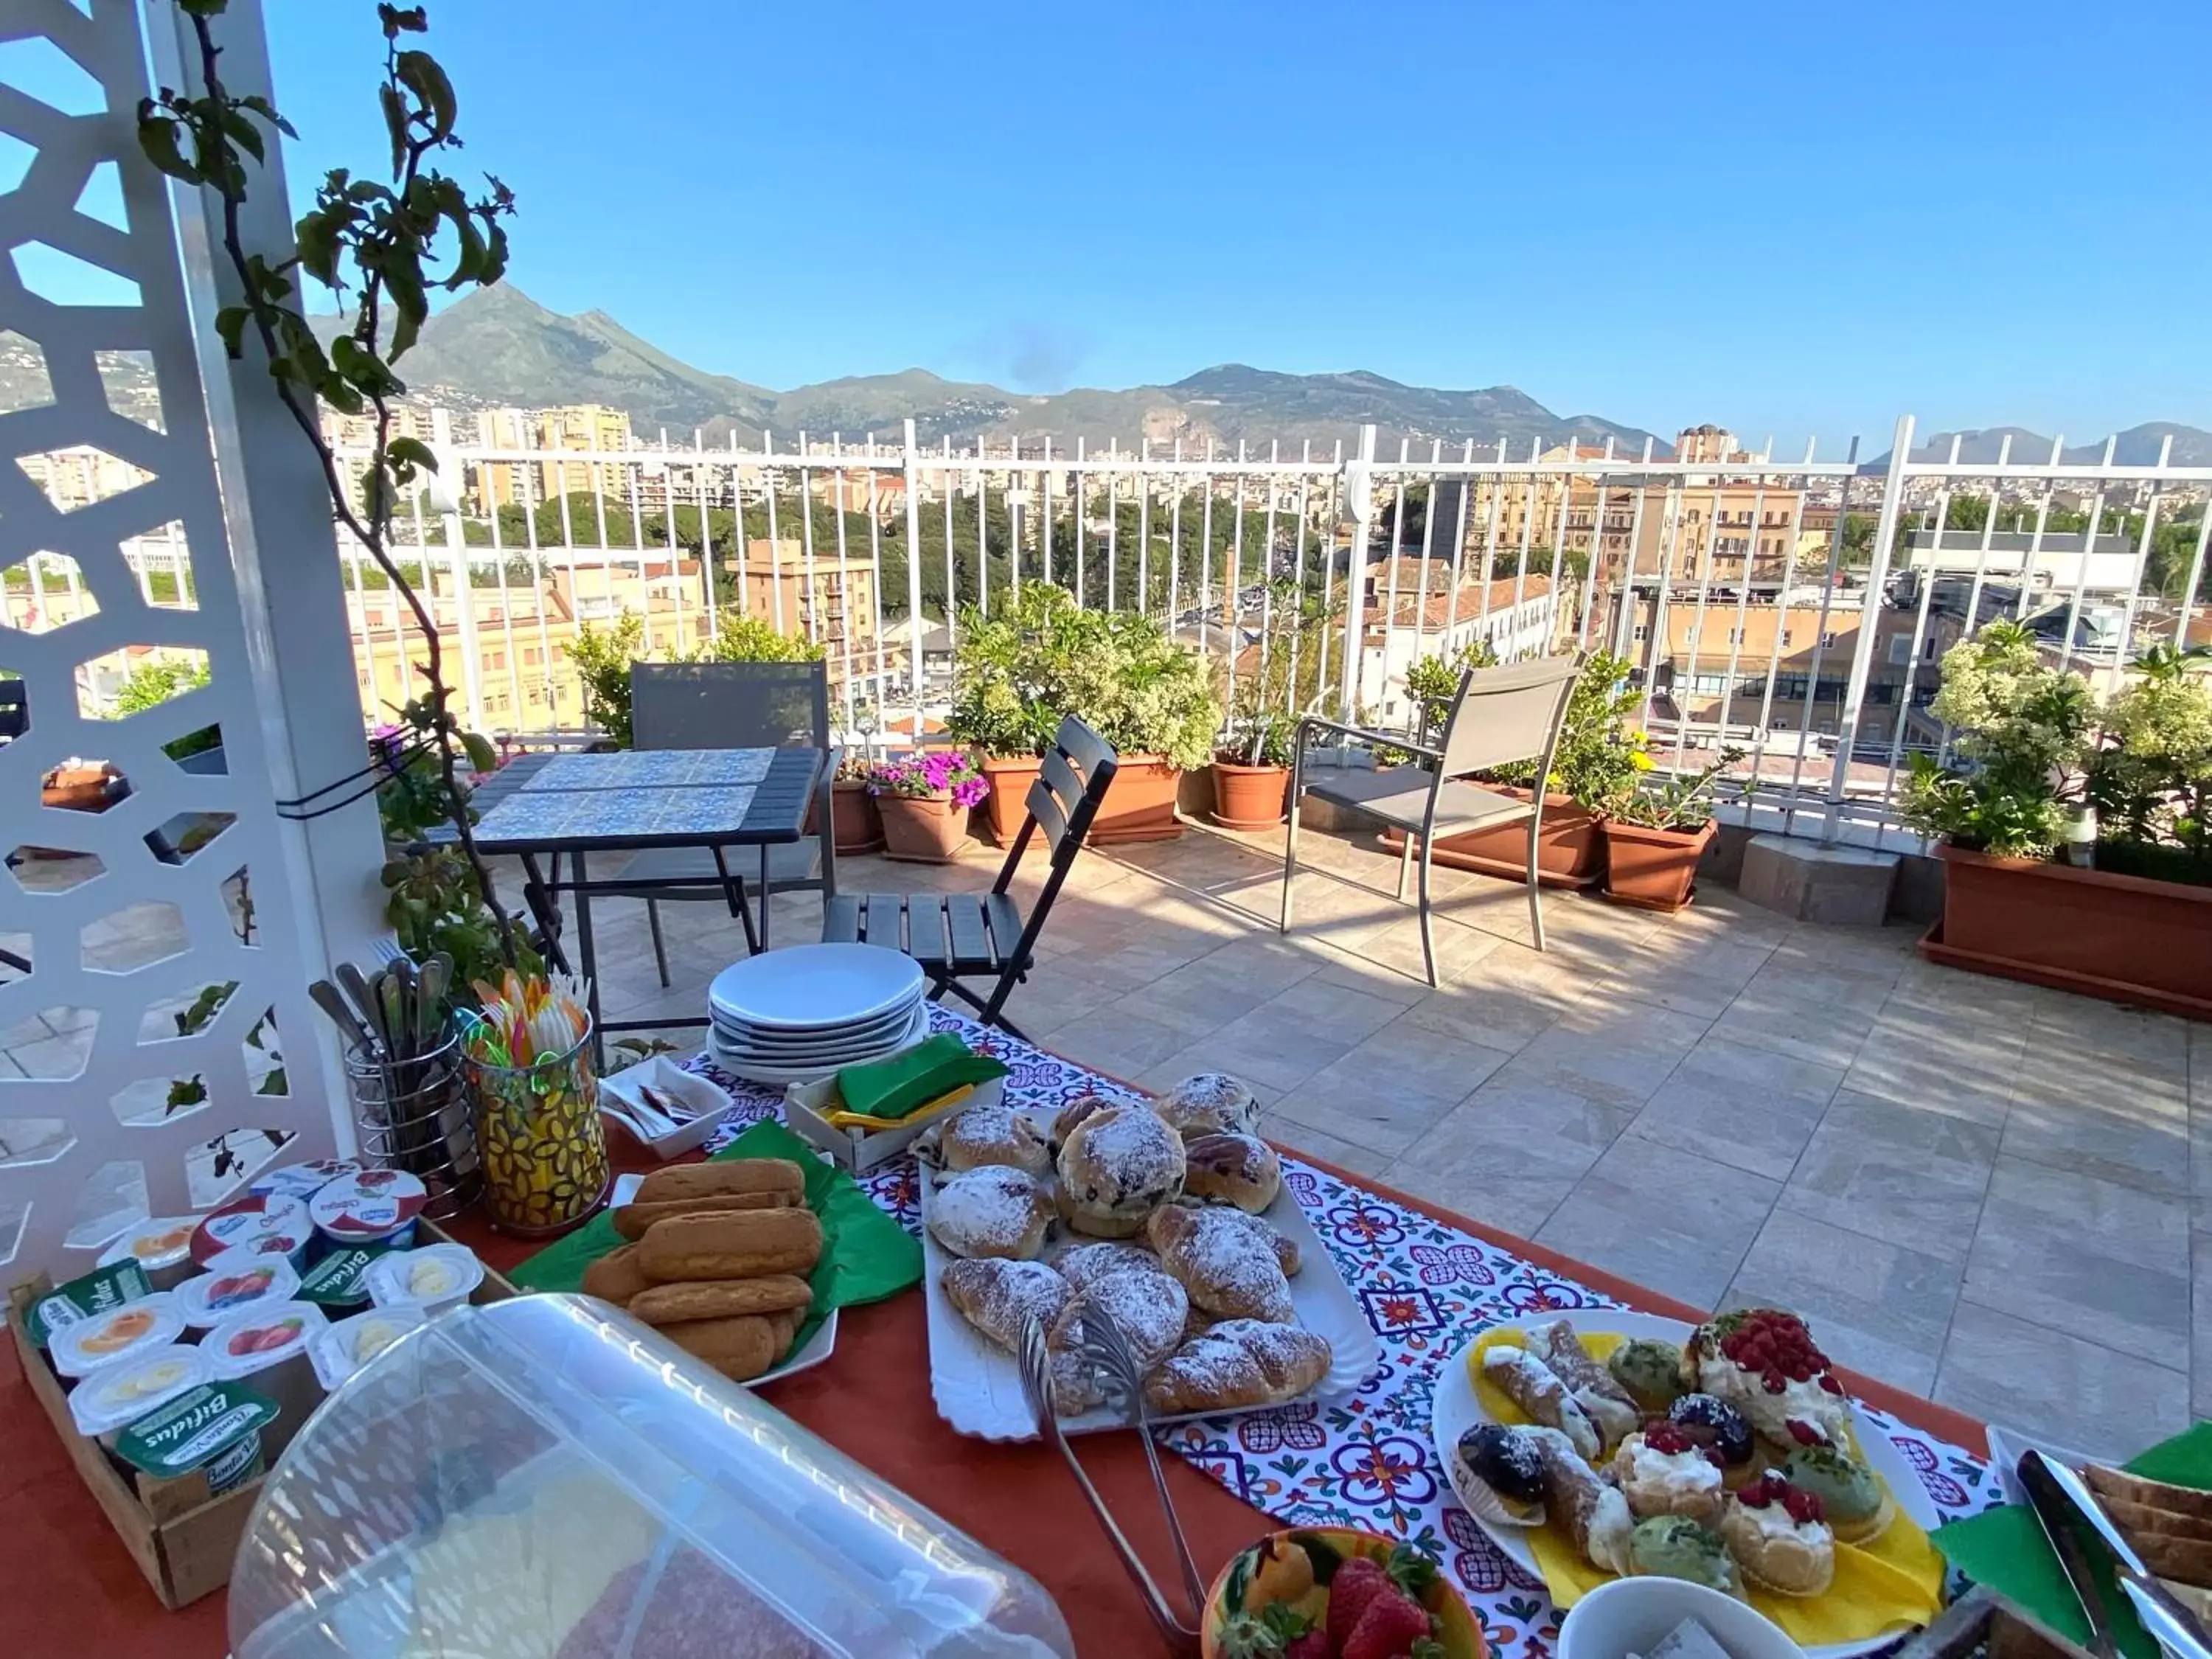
(1641, 761)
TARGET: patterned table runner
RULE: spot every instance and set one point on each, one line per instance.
(1428, 1290)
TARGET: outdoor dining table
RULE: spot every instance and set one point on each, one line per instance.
(1429, 1280)
(545, 808)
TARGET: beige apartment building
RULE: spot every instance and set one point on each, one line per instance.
(832, 603)
(570, 427)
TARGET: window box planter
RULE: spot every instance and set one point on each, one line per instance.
(1653, 869)
(922, 828)
(2122, 938)
(1570, 849)
(1249, 798)
(1140, 806)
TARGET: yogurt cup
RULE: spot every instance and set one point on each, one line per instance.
(340, 1350)
(118, 1395)
(302, 1180)
(128, 1332)
(266, 1346)
(376, 1206)
(235, 1280)
(270, 1222)
(96, 1292)
(339, 1283)
(163, 1247)
(217, 1429)
(434, 1278)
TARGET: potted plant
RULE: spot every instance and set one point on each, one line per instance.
(1597, 758)
(1654, 838)
(1037, 657)
(855, 819)
(925, 799)
(2124, 789)
(1281, 675)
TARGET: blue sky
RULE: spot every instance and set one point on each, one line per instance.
(1787, 217)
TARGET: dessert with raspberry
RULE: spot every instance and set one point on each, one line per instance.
(1663, 1469)
(1765, 1363)
(1779, 1535)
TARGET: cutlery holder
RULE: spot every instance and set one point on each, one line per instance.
(414, 1115)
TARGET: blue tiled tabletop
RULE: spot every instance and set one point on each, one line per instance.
(703, 797)
(651, 769)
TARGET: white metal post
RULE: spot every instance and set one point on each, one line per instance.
(913, 462)
(1360, 500)
(1847, 723)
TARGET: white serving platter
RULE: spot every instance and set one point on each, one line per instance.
(977, 1385)
(1456, 1407)
(809, 1354)
(805, 987)
(779, 1076)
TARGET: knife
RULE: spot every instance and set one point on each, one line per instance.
(2055, 1512)
(2162, 1613)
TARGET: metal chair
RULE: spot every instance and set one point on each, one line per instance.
(956, 935)
(1498, 716)
(731, 705)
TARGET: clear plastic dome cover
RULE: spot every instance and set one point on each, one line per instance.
(543, 1477)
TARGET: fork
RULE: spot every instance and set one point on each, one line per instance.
(1099, 1344)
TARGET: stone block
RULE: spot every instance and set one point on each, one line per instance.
(1839, 886)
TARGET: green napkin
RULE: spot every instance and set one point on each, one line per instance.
(866, 1257)
(2006, 1550)
(906, 1082)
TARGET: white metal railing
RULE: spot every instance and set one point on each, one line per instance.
(1752, 594)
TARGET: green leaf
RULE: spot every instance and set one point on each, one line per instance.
(412, 453)
(420, 74)
(230, 324)
(243, 133)
(262, 107)
(1413, 1571)
(157, 141)
(395, 124)
(482, 756)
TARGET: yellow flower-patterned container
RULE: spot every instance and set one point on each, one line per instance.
(545, 1154)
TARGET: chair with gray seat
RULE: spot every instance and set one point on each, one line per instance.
(731, 705)
(1499, 716)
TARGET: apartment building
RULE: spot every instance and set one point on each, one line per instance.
(1517, 618)
(583, 427)
(829, 600)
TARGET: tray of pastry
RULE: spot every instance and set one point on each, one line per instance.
(1171, 1214)
(1608, 1441)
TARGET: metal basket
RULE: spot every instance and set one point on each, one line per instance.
(414, 1115)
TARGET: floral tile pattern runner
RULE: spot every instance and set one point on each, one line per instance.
(1368, 1461)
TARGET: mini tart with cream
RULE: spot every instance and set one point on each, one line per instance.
(1779, 1533)
(1859, 1507)
(1765, 1363)
(1663, 1470)
(1675, 1547)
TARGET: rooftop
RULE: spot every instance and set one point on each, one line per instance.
(1980, 1190)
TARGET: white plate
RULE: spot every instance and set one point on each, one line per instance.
(810, 1354)
(1456, 1408)
(787, 1049)
(776, 1076)
(978, 1386)
(814, 987)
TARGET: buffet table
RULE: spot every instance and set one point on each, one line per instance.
(1428, 1280)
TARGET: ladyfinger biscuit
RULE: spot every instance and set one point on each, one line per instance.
(632, 1219)
(720, 1298)
(787, 1328)
(778, 1175)
(731, 1245)
(615, 1277)
(741, 1348)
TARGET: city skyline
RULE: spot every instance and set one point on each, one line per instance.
(1800, 227)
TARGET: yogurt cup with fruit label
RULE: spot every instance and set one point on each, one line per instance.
(234, 1281)
(107, 1339)
(434, 1278)
(163, 1247)
(262, 1337)
(79, 1299)
(340, 1350)
(339, 1283)
(271, 1222)
(376, 1206)
(302, 1180)
(117, 1396)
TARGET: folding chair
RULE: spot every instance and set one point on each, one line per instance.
(961, 935)
(731, 705)
(1498, 716)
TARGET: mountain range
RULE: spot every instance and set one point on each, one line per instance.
(2136, 447)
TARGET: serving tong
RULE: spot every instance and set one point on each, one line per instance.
(1099, 1345)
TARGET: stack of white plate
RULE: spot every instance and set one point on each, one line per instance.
(794, 1015)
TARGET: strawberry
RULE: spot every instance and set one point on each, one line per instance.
(1392, 1623)
(1357, 1582)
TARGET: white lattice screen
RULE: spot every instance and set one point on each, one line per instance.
(116, 922)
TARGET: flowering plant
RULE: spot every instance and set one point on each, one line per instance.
(932, 774)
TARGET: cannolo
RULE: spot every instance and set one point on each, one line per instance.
(1532, 1386)
(1595, 1514)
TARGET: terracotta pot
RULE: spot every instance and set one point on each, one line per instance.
(1250, 797)
(2123, 937)
(1570, 851)
(1653, 869)
(78, 788)
(925, 829)
(855, 824)
(1140, 806)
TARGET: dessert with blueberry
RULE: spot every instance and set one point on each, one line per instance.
(1714, 1423)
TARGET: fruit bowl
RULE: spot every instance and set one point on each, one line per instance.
(1265, 1592)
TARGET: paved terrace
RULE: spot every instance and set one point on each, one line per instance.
(1978, 1190)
